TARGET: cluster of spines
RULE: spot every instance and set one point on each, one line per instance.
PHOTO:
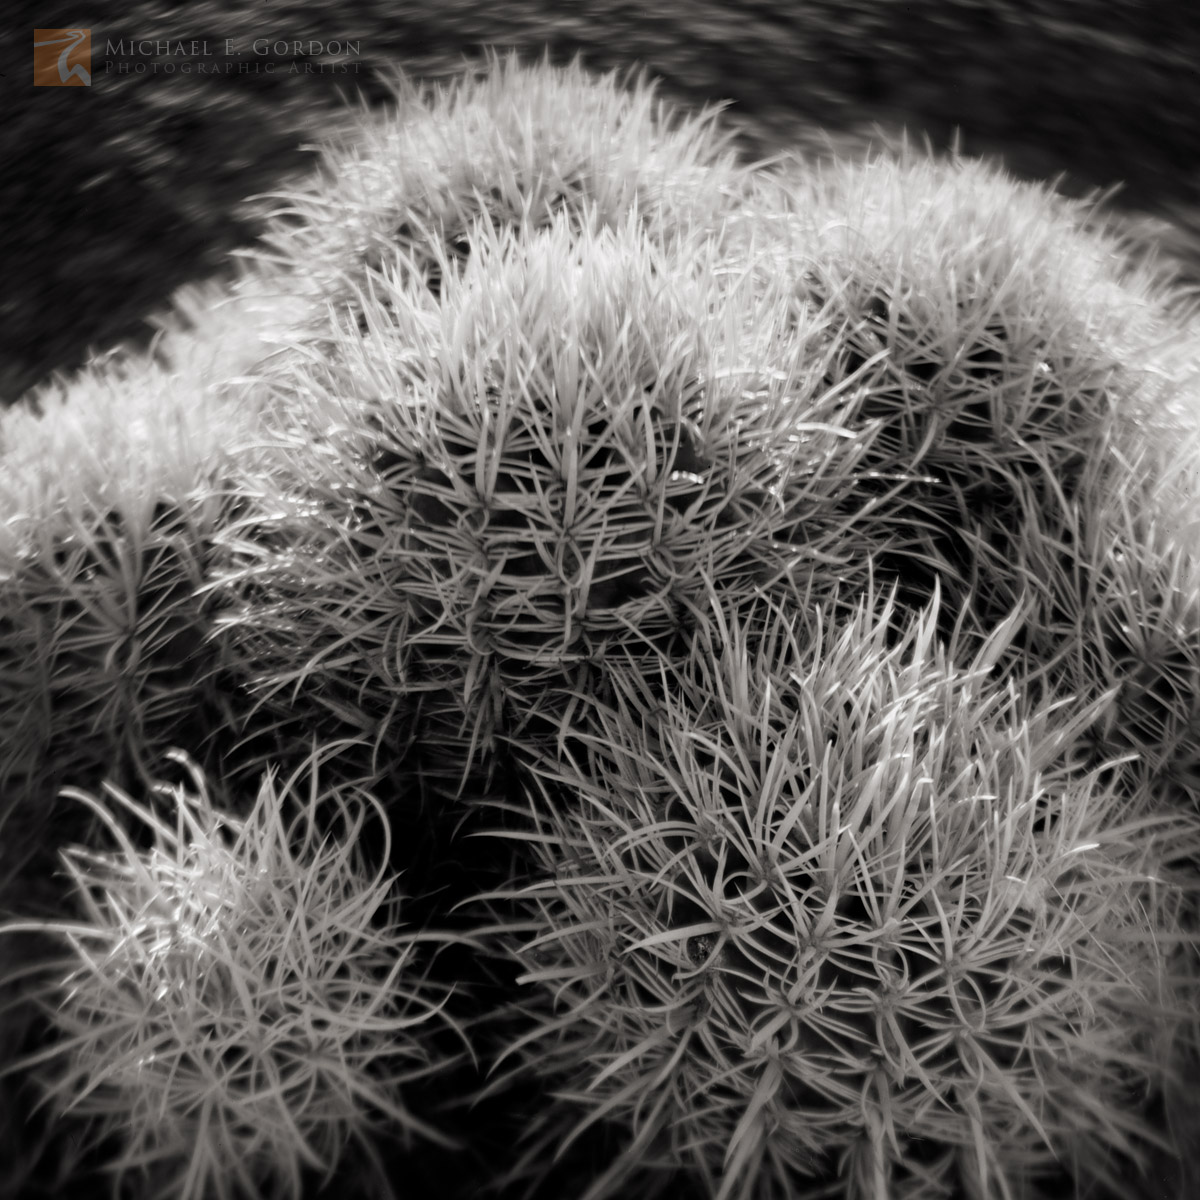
(817, 900)
(498, 149)
(561, 462)
(238, 999)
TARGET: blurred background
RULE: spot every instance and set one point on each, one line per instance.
(114, 194)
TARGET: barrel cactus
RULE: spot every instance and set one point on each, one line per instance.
(109, 499)
(583, 459)
(239, 1001)
(512, 145)
(1009, 366)
(820, 904)
(586, 433)
(1027, 400)
(549, 416)
(1139, 645)
(984, 350)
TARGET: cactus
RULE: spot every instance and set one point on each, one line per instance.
(1001, 357)
(513, 145)
(428, 564)
(238, 1001)
(820, 903)
(110, 497)
(1127, 629)
(588, 433)
(112, 493)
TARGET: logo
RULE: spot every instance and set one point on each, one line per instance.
(62, 58)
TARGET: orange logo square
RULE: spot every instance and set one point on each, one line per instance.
(62, 58)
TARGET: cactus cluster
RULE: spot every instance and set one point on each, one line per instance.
(792, 571)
